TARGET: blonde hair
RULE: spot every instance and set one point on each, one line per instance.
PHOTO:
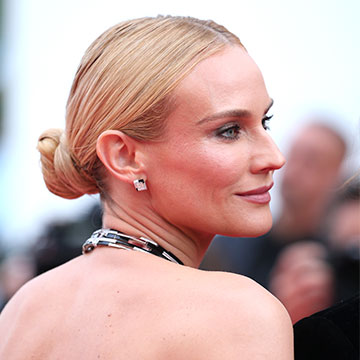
(124, 82)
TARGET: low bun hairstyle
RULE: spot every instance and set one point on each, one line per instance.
(124, 82)
(63, 176)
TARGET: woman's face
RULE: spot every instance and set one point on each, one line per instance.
(216, 150)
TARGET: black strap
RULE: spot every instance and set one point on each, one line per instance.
(114, 238)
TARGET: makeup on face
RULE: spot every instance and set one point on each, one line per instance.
(260, 195)
(216, 158)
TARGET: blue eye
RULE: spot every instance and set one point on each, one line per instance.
(229, 132)
(265, 120)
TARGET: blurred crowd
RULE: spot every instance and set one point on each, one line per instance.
(309, 260)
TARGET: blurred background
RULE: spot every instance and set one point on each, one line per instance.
(308, 51)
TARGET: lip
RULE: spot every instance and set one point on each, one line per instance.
(260, 195)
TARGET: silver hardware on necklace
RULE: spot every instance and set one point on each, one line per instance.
(116, 239)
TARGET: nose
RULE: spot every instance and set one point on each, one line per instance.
(266, 156)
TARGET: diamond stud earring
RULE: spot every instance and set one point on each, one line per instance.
(140, 185)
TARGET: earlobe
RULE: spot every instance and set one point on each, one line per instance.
(118, 152)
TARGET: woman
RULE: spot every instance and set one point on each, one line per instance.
(167, 120)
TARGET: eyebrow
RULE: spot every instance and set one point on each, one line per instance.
(232, 113)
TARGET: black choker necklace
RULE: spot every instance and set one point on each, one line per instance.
(114, 238)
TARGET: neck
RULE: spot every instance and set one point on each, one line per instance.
(188, 247)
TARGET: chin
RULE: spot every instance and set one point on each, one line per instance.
(260, 231)
(251, 227)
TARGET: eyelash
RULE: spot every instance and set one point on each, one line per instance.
(265, 120)
(222, 131)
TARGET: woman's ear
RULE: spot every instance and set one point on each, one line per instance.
(119, 154)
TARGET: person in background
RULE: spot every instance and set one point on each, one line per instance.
(310, 276)
(343, 226)
(15, 270)
(167, 120)
(61, 241)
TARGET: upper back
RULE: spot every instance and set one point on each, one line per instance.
(119, 304)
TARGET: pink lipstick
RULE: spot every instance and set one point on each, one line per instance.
(260, 195)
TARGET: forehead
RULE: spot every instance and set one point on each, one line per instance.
(224, 81)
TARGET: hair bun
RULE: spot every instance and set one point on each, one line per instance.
(63, 177)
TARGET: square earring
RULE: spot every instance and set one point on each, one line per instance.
(140, 185)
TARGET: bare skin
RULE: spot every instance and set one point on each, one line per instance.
(117, 304)
(153, 310)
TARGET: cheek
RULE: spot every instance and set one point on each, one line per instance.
(201, 166)
(195, 186)
(195, 177)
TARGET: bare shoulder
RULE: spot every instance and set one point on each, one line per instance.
(37, 302)
(27, 295)
(28, 291)
(12, 317)
(242, 318)
(33, 297)
(185, 314)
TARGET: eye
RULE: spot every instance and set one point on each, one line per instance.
(229, 132)
(265, 121)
